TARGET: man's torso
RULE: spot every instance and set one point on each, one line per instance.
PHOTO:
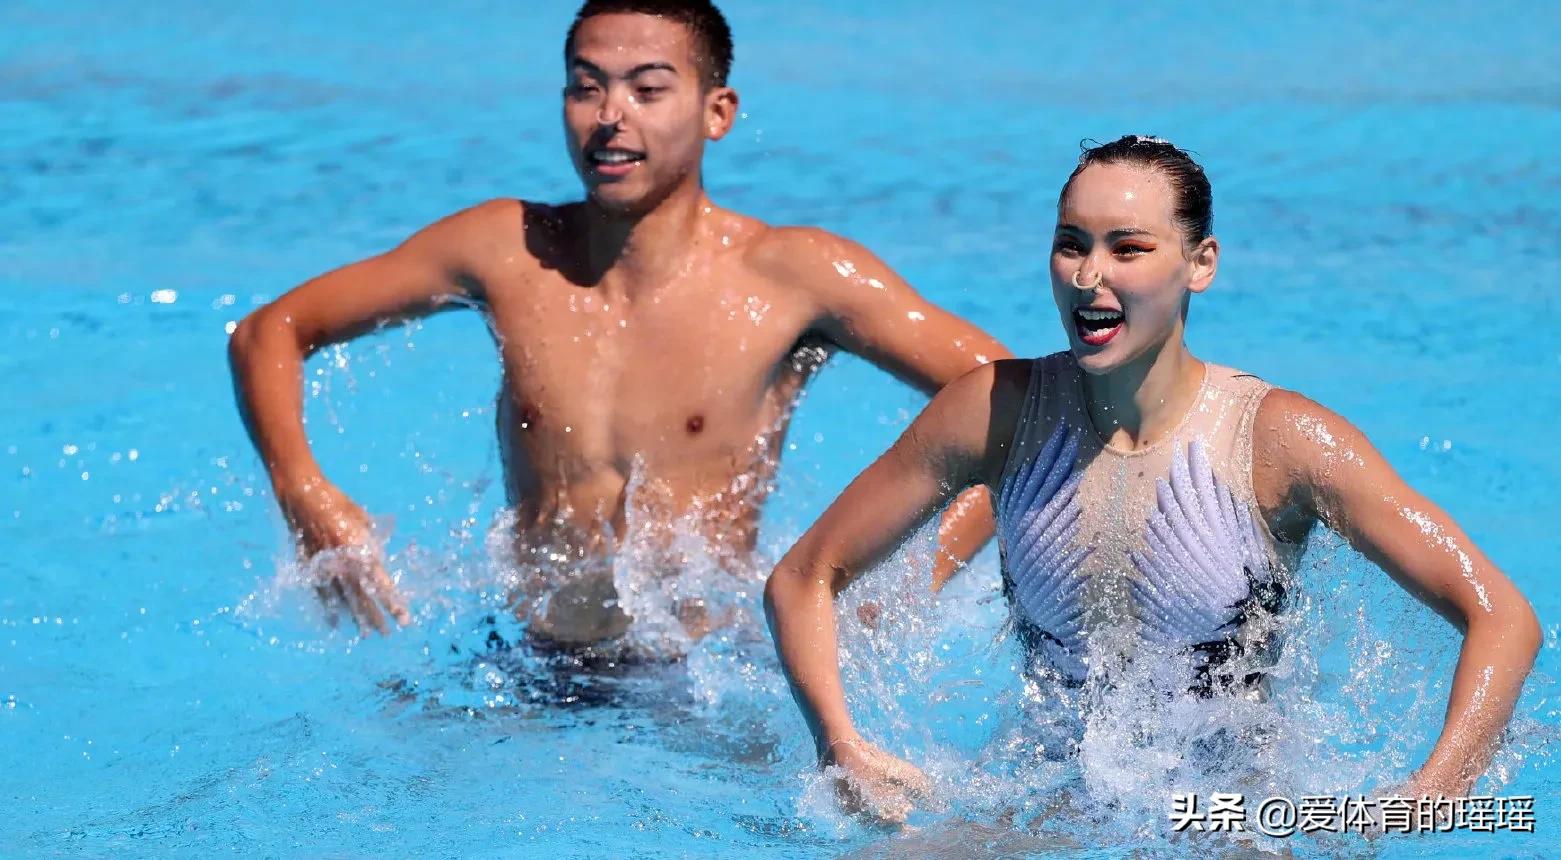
(668, 403)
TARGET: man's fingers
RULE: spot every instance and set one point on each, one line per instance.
(868, 613)
(352, 577)
(332, 600)
(385, 591)
(364, 610)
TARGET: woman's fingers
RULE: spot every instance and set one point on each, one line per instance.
(885, 801)
(882, 787)
(910, 776)
(860, 797)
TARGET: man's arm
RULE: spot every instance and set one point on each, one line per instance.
(429, 271)
(1327, 469)
(868, 309)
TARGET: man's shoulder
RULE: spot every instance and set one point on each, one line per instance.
(803, 255)
(501, 229)
(513, 213)
(472, 226)
(499, 213)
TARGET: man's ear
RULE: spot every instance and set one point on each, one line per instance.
(720, 112)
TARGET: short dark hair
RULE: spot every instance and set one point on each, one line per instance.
(712, 36)
(1193, 208)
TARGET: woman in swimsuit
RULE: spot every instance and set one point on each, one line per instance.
(1149, 504)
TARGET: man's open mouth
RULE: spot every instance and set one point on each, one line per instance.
(613, 160)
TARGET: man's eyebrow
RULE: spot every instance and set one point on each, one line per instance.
(642, 68)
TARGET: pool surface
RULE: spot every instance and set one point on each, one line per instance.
(1386, 188)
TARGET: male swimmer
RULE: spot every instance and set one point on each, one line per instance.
(642, 330)
(1149, 504)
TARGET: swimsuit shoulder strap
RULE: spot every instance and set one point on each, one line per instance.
(1029, 430)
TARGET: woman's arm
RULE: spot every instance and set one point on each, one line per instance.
(960, 439)
(1310, 462)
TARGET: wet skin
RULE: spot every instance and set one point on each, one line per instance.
(649, 339)
(1118, 248)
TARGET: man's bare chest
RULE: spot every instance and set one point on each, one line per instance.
(694, 366)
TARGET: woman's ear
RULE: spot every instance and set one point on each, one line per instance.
(1205, 261)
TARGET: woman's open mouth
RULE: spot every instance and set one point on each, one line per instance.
(1097, 326)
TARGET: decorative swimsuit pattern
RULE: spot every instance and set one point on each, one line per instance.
(1197, 560)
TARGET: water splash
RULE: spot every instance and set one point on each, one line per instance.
(1354, 702)
(1352, 706)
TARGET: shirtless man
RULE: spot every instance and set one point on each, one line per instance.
(644, 332)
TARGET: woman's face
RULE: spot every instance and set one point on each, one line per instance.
(1116, 232)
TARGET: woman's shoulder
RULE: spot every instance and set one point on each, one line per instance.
(1004, 377)
(1010, 381)
(1284, 412)
(1297, 439)
(1235, 377)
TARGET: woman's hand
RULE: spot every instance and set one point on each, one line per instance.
(944, 450)
(1310, 464)
(873, 783)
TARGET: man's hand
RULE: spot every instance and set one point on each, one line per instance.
(873, 783)
(440, 267)
(337, 539)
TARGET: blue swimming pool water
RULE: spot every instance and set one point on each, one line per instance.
(1386, 193)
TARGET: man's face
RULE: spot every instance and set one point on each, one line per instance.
(636, 113)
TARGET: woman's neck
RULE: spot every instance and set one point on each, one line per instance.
(1138, 404)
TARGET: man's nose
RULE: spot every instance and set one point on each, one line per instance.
(615, 105)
